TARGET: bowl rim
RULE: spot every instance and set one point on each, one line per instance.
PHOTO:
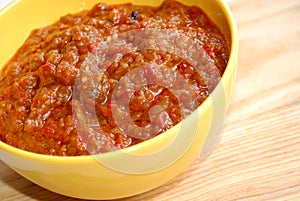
(230, 67)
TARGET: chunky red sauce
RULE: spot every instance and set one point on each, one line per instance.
(37, 85)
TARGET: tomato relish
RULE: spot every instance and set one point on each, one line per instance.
(37, 85)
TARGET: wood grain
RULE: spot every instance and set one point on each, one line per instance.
(258, 157)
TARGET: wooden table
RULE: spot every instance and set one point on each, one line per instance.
(258, 157)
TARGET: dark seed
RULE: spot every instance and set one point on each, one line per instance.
(134, 14)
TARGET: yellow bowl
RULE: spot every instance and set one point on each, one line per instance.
(135, 169)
